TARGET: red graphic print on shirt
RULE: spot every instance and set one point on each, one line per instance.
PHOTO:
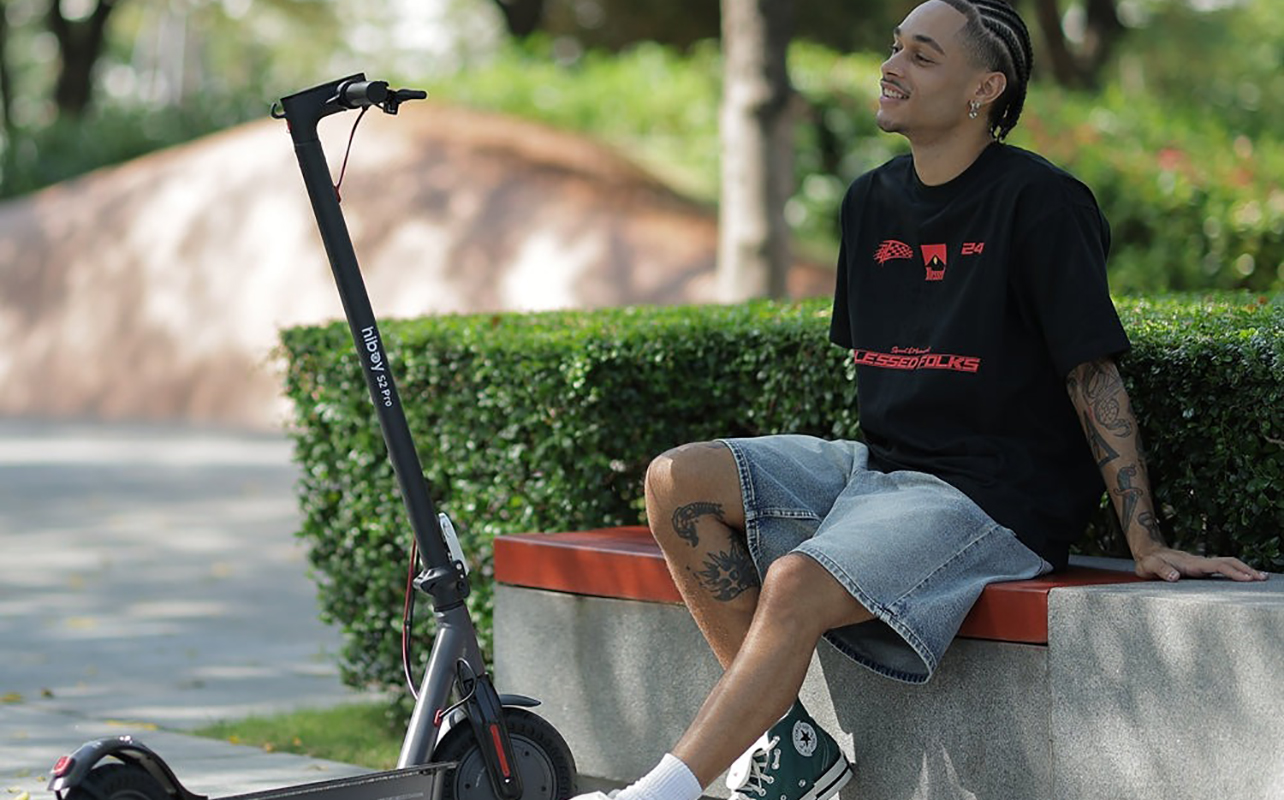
(935, 256)
(892, 249)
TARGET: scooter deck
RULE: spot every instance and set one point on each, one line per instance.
(423, 782)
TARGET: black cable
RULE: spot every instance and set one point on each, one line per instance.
(343, 169)
(408, 615)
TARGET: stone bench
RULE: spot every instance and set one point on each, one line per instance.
(1083, 684)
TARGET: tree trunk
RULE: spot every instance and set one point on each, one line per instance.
(6, 106)
(521, 17)
(1064, 67)
(756, 134)
(1103, 30)
(80, 43)
(6, 82)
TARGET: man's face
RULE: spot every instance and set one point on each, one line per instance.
(929, 77)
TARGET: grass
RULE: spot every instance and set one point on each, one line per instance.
(359, 734)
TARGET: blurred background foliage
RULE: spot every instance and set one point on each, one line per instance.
(1171, 110)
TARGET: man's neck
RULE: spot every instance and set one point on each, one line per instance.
(942, 160)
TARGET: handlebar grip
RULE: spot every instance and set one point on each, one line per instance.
(359, 94)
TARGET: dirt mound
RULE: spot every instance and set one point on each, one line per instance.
(156, 289)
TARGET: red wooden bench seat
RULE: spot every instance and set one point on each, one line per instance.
(625, 563)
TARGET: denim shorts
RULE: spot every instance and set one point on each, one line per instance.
(909, 547)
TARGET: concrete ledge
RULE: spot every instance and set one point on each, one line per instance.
(1144, 691)
(621, 679)
(1168, 691)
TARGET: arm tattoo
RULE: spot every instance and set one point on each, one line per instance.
(1101, 388)
(1096, 390)
(728, 574)
(1099, 395)
(1148, 521)
(1101, 449)
(1131, 495)
(686, 517)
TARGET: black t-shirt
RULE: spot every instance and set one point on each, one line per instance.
(966, 305)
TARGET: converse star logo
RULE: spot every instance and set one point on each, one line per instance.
(804, 738)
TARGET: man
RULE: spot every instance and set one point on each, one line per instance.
(972, 293)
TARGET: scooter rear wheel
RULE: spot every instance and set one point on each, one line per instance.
(118, 782)
(544, 761)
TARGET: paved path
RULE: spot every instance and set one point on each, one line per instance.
(150, 582)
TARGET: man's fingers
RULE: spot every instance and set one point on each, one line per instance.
(1237, 570)
(1171, 567)
(1155, 566)
(1227, 567)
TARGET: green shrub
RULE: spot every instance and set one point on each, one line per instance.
(1191, 204)
(526, 423)
(547, 422)
(653, 104)
(110, 135)
(1195, 199)
(1194, 203)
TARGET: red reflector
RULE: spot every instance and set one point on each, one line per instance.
(63, 766)
(499, 750)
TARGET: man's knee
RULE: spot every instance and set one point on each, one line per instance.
(702, 468)
(798, 592)
(694, 480)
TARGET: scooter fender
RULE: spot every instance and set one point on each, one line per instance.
(72, 769)
(460, 716)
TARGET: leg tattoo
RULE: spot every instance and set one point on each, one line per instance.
(686, 517)
(728, 574)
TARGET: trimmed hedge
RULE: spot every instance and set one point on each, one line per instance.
(546, 422)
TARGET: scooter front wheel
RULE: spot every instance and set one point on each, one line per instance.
(544, 761)
(118, 782)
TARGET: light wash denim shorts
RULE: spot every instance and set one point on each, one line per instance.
(912, 549)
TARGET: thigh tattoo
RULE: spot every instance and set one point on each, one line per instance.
(686, 517)
(728, 574)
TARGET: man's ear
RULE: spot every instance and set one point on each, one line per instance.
(991, 87)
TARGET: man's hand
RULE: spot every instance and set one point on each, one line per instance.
(1170, 565)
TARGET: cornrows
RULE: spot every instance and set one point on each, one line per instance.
(1002, 43)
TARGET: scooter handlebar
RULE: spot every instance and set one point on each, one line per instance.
(359, 94)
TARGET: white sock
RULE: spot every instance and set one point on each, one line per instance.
(670, 780)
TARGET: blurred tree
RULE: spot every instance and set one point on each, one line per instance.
(757, 146)
(617, 24)
(522, 17)
(1078, 39)
(96, 82)
(6, 80)
(80, 43)
(1081, 65)
(7, 128)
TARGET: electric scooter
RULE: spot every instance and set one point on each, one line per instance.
(483, 746)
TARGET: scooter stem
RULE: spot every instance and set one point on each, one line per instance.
(303, 111)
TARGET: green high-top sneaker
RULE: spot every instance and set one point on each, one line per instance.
(794, 760)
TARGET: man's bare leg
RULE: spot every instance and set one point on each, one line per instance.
(800, 601)
(697, 516)
(763, 637)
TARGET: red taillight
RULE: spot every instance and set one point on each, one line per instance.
(63, 766)
(499, 750)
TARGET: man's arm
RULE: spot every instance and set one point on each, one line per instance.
(1102, 404)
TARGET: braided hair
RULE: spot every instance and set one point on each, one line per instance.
(1000, 42)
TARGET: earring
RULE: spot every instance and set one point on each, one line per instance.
(973, 107)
